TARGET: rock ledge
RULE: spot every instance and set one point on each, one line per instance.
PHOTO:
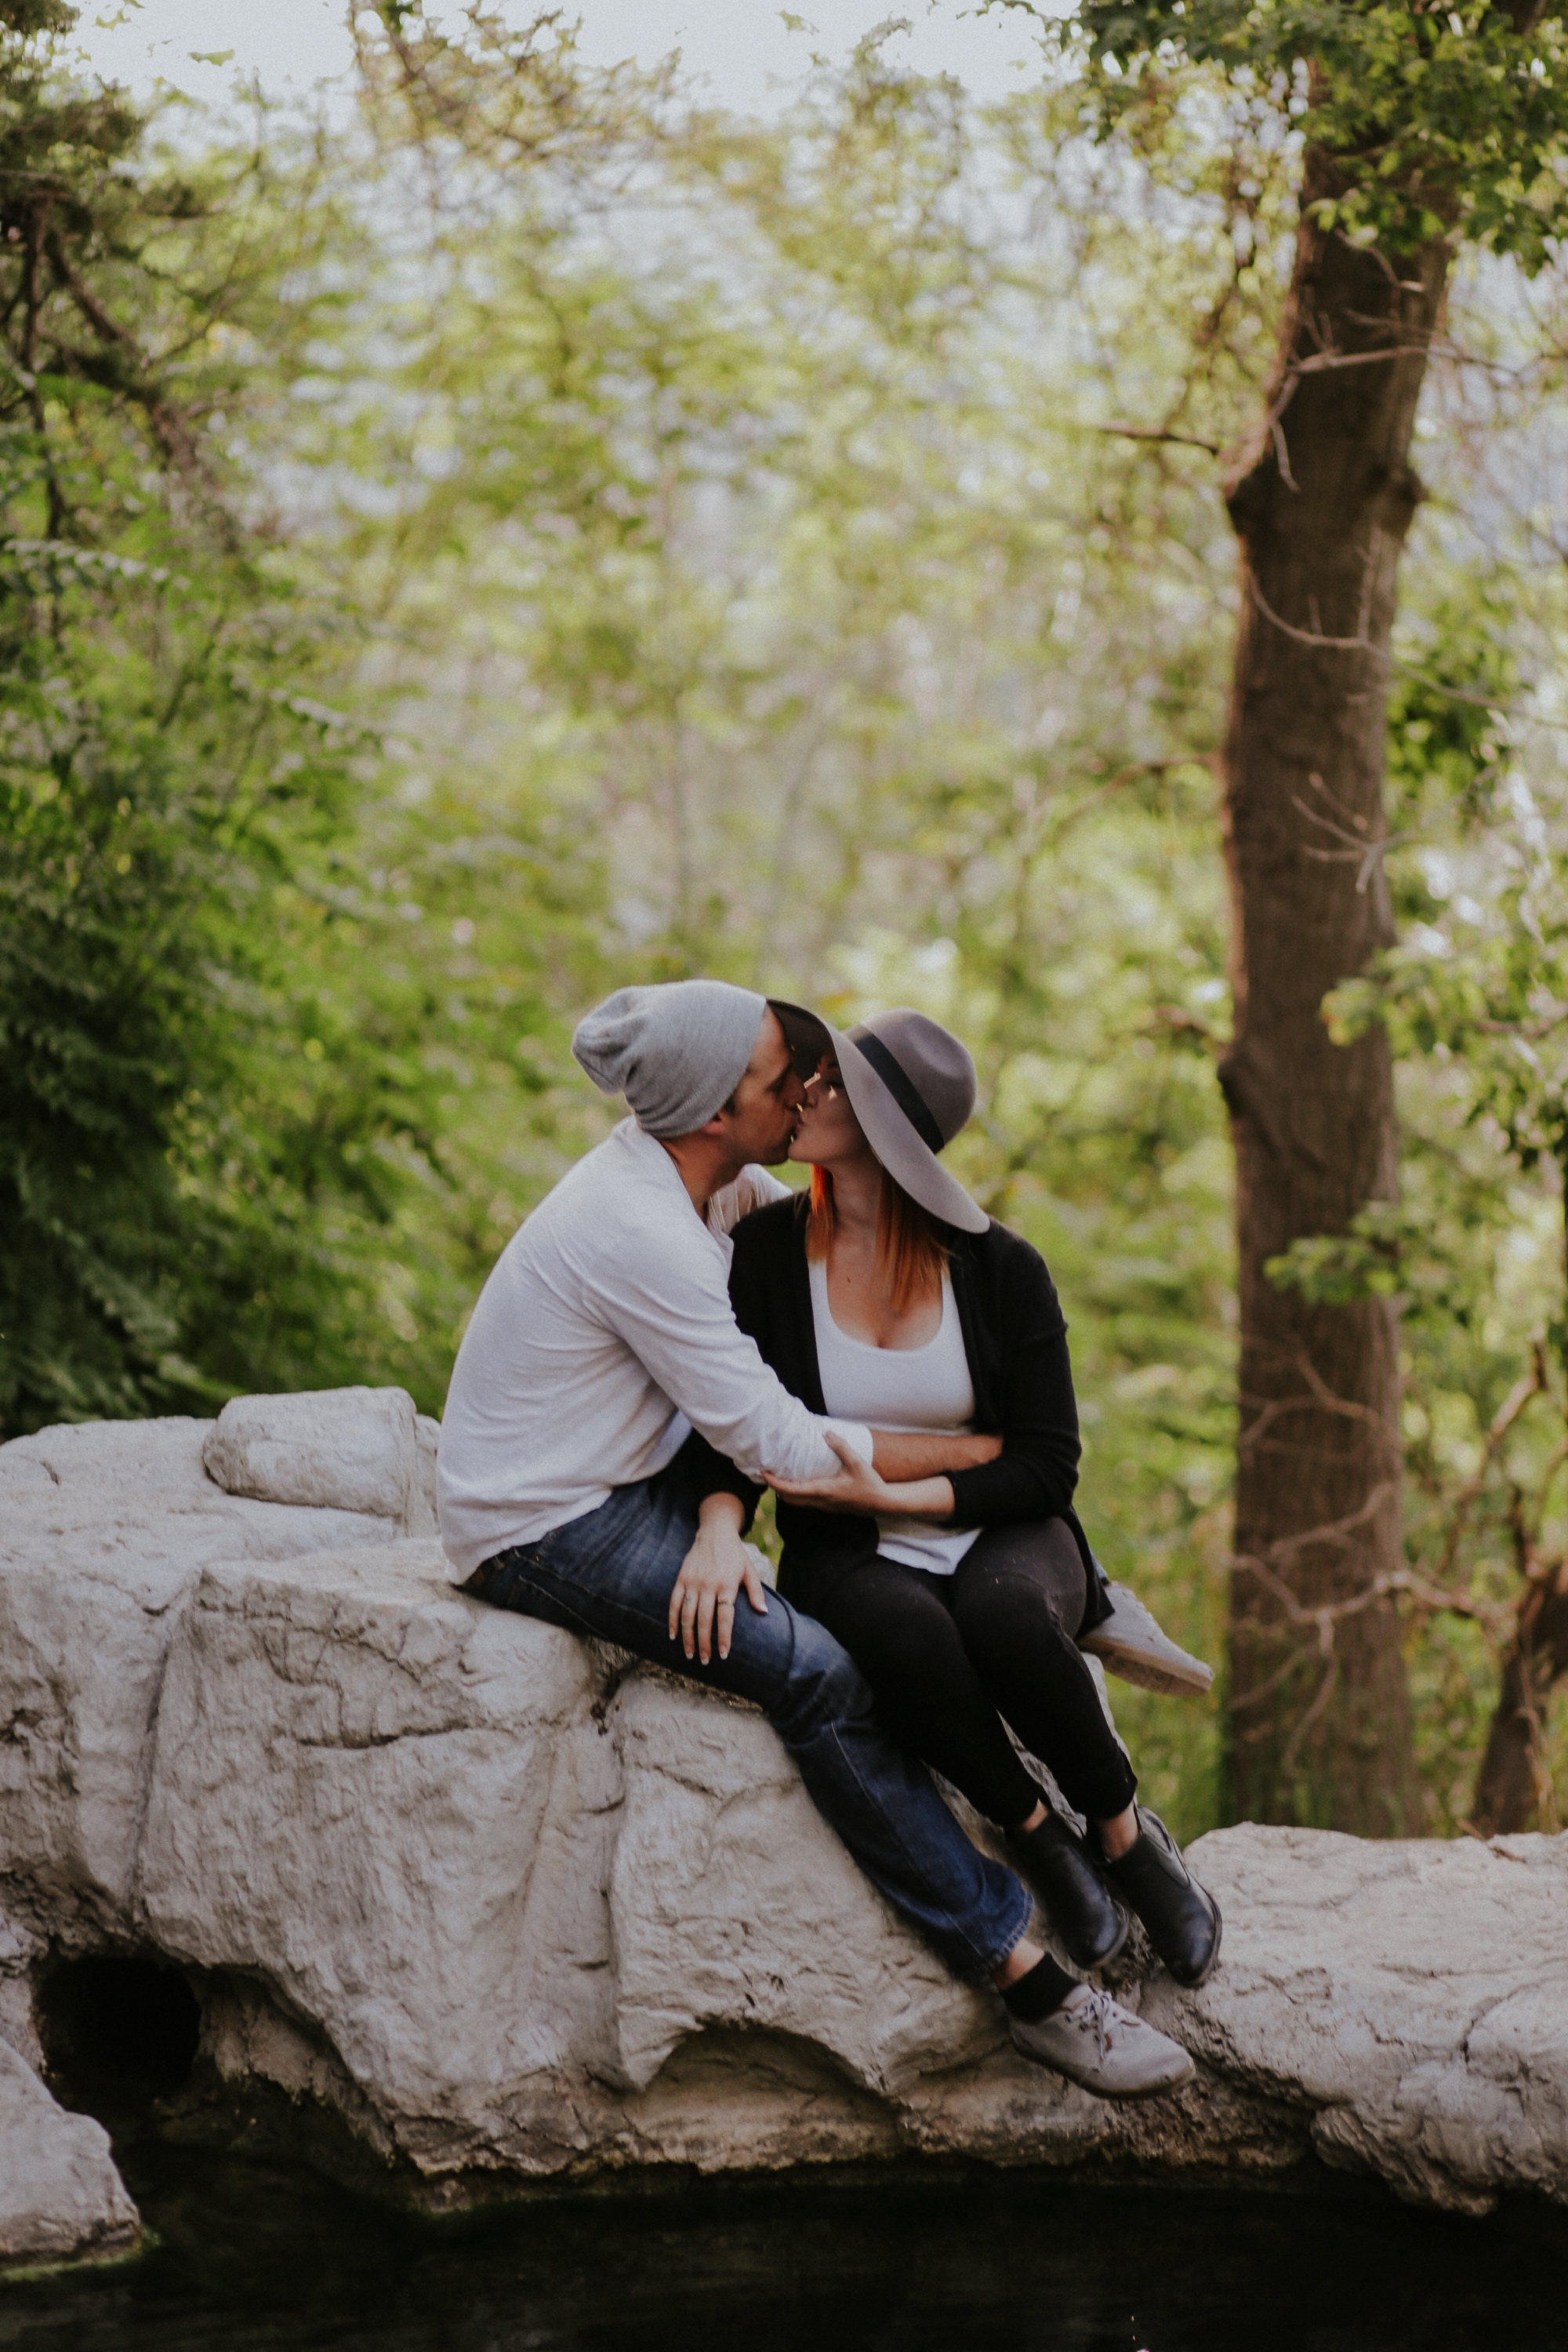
(515, 1914)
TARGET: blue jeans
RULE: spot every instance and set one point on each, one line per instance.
(612, 1572)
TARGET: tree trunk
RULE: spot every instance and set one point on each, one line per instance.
(1511, 1782)
(1320, 1717)
(1508, 1786)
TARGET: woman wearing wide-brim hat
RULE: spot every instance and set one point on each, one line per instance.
(886, 1296)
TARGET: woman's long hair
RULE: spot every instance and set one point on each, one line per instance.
(910, 1251)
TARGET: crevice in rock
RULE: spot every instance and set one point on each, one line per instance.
(212, 2058)
(147, 1753)
(116, 2028)
(615, 1676)
(255, 2117)
(742, 2059)
(253, 2038)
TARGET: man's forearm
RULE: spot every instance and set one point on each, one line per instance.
(899, 1454)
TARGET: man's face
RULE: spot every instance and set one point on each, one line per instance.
(767, 1101)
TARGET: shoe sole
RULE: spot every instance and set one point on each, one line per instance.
(1149, 2091)
(1132, 1644)
(1182, 1677)
(1190, 1984)
(1105, 1957)
(1099, 2091)
(1194, 1984)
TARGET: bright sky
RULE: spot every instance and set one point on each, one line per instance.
(742, 48)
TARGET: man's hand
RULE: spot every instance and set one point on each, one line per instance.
(703, 1601)
(858, 1487)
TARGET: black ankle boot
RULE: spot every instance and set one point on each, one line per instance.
(1180, 1918)
(1066, 1876)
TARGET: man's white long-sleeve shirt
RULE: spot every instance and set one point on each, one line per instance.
(603, 1336)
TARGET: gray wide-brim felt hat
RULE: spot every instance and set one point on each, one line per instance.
(911, 1085)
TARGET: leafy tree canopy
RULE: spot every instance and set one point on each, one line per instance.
(1441, 122)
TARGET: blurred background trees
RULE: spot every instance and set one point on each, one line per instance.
(544, 533)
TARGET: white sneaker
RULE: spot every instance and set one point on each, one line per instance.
(1133, 1644)
(1093, 2041)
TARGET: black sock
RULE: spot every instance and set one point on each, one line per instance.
(1040, 1992)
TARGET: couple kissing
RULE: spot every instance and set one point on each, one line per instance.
(673, 1330)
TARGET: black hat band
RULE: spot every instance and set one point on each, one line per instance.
(901, 1087)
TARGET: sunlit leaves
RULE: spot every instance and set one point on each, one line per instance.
(1440, 122)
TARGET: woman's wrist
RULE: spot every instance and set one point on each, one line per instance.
(919, 1498)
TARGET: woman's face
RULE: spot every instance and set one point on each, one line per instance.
(829, 1134)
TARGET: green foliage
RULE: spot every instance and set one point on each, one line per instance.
(754, 599)
(1441, 122)
(187, 1183)
(1483, 986)
(169, 1120)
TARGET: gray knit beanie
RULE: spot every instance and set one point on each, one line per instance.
(676, 1050)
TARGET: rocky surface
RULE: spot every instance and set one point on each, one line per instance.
(515, 1911)
(360, 1450)
(61, 2199)
(1413, 1997)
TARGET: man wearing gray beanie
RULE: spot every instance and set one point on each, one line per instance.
(602, 1380)
(676, 1051)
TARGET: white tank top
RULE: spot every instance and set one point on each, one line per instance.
(899, 1388)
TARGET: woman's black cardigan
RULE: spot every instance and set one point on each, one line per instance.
(1015, 1337)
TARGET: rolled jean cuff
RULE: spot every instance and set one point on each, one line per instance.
(1026, 1918)
(974, 1951)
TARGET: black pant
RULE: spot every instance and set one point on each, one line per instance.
(948, 1656)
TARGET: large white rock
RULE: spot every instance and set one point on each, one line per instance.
(338, 1449)
(61, 2199)
(514, 1908)
(1413, 1995)
(103, 1529)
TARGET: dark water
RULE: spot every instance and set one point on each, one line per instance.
(254, 2254)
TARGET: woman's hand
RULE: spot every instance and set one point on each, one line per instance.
(859, 1487)
(712, 1574)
